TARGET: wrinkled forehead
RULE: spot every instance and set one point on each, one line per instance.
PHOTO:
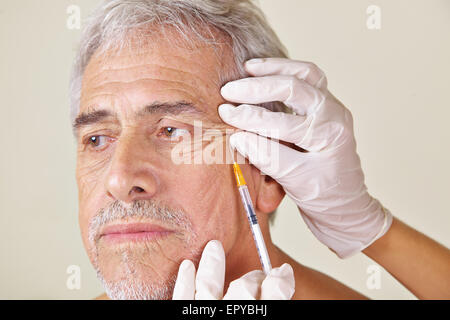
(161, 67)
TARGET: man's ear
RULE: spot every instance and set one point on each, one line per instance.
(269, 194)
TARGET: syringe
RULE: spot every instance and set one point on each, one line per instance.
(256, 230)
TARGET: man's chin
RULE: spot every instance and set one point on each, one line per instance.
(130, 274)
(134, 288)
(140, 270)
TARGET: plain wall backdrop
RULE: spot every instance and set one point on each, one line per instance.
(394, 80)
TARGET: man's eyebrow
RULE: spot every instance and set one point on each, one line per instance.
(170, 108)
(90, 117)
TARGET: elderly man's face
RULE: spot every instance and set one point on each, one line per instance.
(140, 212)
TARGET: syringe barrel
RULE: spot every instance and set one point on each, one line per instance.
(256, 230)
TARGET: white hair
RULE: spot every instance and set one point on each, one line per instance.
(241, 21)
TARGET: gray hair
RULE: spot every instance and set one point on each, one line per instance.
(239, 20)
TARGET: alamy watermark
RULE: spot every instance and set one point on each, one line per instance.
(374, 280)
(212, 146)
(74, 17)
(373, 21)
(73, 281)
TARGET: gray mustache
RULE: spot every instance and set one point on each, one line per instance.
(139, 209)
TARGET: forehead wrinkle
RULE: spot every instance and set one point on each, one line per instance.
(147, 65)
(102, 73)
(105, 71)
(119, 83)
(189, 114)
(194, 83)
(185, 86)
(95, 96)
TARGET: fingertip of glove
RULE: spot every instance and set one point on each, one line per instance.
(279, 284)
(249, 65)
(255, 61)
(242, 135)
(285, 270)
(186, 265)
(225, 110)
(235, 139)
(227, 90)
(214, 243)
(214, 247)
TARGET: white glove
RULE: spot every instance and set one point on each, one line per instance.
(208, 283)
(327, 182)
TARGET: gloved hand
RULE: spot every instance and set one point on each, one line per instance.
(208, 282)
(326, 182)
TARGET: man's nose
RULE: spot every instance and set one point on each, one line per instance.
(131, 175)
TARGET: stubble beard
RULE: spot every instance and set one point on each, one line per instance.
(135, 259)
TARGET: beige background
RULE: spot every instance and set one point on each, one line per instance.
(394, 80)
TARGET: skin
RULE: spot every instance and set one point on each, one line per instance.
(133, 162)
(426, 274)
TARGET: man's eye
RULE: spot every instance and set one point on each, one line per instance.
(97, 142)
(172, 132)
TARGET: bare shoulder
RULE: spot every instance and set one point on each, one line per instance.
(311, 284)
(102, 297)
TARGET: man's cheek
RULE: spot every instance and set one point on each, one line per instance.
(210, 200)
(89, 175)
(90, 202)
(84, 215)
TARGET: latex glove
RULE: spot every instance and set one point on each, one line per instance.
(207, 283)
(327, 182)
